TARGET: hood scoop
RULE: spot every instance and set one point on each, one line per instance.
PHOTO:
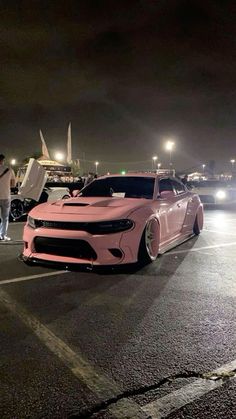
(75, 204)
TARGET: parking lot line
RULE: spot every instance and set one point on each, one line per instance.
(196, 249)
(218, 232)
(164, 406)
(104, 388)
(28, 278)
(11, 243)
(213, 220)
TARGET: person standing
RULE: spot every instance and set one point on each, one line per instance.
(7, 181)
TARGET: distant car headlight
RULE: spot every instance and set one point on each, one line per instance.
(221, 195)
(109, 227)
(31, 222)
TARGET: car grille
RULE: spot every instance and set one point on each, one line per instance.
(79, 249)
(62, 225)
(207, 199)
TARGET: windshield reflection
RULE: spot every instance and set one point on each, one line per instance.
(124, 187)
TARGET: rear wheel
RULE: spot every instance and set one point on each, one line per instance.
(17, 209)
(149, 245)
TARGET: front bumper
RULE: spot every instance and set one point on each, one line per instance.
(80, 247)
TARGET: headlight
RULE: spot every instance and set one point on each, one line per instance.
(109, 227)
(221, 195)
(31, 222)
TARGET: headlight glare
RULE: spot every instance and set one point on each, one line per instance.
(221, 195)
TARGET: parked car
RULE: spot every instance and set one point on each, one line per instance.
(33, 191)
(21, 206)
(214, 192)
(116, 219)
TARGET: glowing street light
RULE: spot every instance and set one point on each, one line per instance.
(203, 167)
(96, 165)
(154, 159)
(169, 147)
(158, 165)
(232, 161)
(59, 156)
(13, 162)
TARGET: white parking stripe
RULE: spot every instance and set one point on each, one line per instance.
(196, 249)
(104, 388)
(164, 406)
(214, 220)
(28, 278)
(218, 232)
(11, 242)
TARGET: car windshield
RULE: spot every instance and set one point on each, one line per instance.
(124, 187)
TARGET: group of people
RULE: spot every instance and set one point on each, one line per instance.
(7, 181)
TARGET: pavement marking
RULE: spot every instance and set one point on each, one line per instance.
(196, 249)
(206, 253)
(214, 220)
(104, 388)
(2, 242)
(28, 278)
(164, 406)
(219, 232)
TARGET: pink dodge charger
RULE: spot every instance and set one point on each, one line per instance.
(116, 219)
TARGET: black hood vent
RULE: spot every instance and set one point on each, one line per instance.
(75, 204)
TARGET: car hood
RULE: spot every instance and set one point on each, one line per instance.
(88, 209)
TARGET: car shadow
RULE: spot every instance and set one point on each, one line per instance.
(101, 312)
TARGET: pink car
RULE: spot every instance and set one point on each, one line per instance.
(114, 220)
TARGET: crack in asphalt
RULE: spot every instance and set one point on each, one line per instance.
(102, 406)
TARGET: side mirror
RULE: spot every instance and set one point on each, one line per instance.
(166, 194)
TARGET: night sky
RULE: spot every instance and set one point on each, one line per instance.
(127, 74)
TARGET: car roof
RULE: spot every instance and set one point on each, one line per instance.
(138, 174)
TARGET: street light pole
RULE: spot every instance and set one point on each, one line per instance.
(169, 147)
(154, 159)
(232, 161)
(96, 165)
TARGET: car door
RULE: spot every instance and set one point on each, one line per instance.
(34, 181)
(168, 209)
(182, 199)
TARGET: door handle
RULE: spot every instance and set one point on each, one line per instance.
(178, 205)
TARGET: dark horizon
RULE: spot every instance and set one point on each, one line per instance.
(127, 77)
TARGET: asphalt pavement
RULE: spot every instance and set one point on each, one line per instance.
(154, 342)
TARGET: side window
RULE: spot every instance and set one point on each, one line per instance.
(165, 185)
(179, 187)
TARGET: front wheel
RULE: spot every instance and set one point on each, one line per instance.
(17, 209)
(198, 223)
(149, 245)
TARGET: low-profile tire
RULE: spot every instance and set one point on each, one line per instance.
(66, 197)
(149, 244)
(17, 209)
(196, 227)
